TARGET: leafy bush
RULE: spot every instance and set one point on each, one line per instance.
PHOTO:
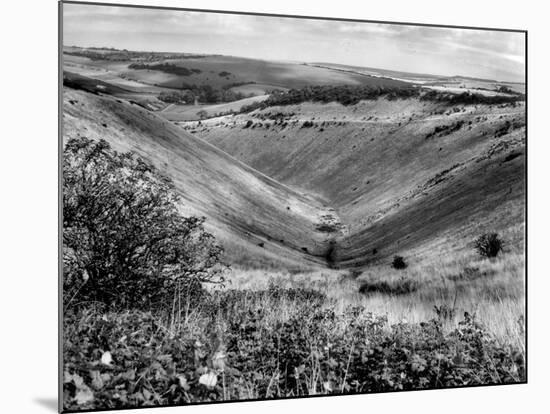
(124, 241)
(237, 347)
(400, 286)
(489, 245)
(398, 262)
(442, 130)
(148, 366)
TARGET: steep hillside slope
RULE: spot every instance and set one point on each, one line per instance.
(400, 174)
(178, 112)
(247, 210)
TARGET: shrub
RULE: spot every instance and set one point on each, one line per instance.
(489, 244)
(145, 360)
(177, 97)
(442, 130)
(400, 286)
(398, 262)
(124, 240)
(239, 348)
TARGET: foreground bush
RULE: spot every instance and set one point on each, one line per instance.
(125, 244)
(489, 245)
(268, 344)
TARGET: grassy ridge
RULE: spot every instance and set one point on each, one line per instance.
(224, 187)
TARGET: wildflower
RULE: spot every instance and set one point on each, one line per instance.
(209, 379)
(107, 358)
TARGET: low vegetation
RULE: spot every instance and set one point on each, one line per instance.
(443, 130)
(401, 286)
(489, 244)
(398, 262)
(267, 344)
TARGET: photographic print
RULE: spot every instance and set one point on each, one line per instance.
(258, 207)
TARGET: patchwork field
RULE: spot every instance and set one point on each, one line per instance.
(151, 73)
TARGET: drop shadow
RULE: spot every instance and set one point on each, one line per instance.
(49, 403)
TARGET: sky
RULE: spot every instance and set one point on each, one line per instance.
(438, 51)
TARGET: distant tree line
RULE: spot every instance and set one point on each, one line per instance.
(350, 95)
(109, 53)
(203, 93)
(166, 68)
(467, 98)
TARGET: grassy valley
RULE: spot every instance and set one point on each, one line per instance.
(345, 202)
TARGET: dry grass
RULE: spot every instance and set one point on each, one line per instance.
(492, 290)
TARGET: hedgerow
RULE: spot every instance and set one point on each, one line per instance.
(489, 244)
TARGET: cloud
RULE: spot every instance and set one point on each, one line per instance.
(401, 47)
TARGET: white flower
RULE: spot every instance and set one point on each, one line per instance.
(209, 379)
(107, 358)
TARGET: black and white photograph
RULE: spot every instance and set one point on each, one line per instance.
(258, 207)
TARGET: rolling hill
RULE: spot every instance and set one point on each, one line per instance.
(249, 211)
(150, 73)
(313, 183)
(400, 174)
